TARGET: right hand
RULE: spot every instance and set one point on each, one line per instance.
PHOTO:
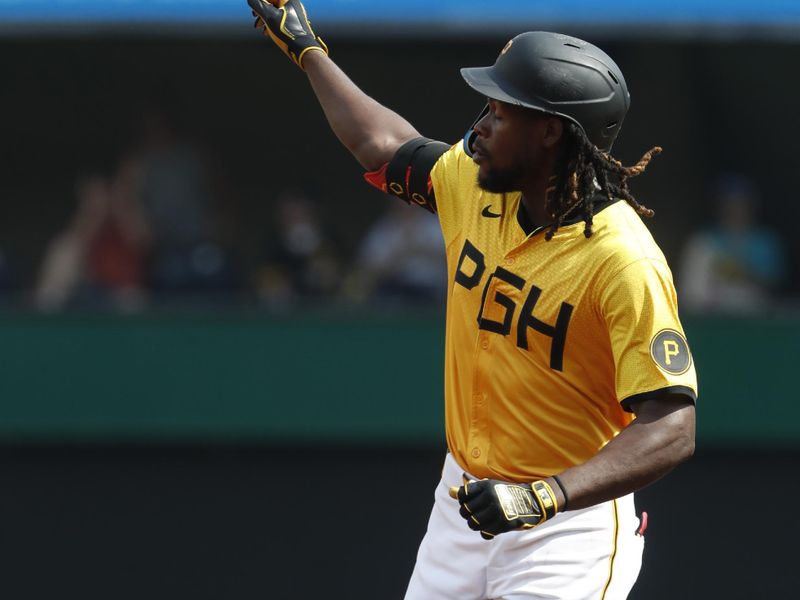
(288, 26)
(493, 507)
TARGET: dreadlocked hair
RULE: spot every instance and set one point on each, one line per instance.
(585, 168)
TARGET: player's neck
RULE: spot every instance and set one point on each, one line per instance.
(537, 185)
(535, 201)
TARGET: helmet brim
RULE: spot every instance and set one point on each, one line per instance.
(480, 79)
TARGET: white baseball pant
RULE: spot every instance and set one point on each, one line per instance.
(588, 554)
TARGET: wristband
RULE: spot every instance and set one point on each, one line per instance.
(546, 498)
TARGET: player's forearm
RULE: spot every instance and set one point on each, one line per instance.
(369, 130)
(645, 451)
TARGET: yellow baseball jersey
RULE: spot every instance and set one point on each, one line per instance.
(548, 343)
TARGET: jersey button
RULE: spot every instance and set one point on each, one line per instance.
(476, 453)
(485, 344)
(509, 260)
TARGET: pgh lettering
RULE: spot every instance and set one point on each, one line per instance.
(558, 331)
(503, 328)
(471, 254)
(469, 272)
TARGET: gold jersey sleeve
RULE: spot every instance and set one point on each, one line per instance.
(451, 177)
(548, 343)
(640, 308)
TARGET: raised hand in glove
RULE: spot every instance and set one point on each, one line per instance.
(491, 506)
(286, 22)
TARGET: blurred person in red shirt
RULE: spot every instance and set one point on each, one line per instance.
(99, 259)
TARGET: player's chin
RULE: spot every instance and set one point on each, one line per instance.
(497, 182)
(484, 181)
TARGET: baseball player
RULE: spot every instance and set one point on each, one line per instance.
(568, 380)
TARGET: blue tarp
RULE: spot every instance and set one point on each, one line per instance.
(458, 13)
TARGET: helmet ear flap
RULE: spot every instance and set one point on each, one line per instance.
(469, 137)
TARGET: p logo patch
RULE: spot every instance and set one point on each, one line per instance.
(671, 352)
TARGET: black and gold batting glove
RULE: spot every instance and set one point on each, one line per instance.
(286, 22)
(491, 506)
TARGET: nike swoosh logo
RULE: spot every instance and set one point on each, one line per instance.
(488, 213)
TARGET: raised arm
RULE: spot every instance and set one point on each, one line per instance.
(369, 130)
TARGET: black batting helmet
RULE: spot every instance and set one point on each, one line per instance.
(560, 75)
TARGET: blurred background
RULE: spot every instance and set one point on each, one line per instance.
(221, 358)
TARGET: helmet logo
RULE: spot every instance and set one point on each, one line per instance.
(506, 47)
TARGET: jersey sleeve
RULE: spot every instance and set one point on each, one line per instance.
(453, 177)
(651, 355)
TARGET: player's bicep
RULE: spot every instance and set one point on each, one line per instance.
(670, 417)
(663, 405)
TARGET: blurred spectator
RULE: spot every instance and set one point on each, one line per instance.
(99, 259)
(401, 260)
(175, 190)
(735, 266)
(177, 196)
(301, 261)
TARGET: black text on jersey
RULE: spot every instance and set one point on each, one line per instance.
(470, 276)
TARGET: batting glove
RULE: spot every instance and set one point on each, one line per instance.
(286, 22)
(491, 506)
